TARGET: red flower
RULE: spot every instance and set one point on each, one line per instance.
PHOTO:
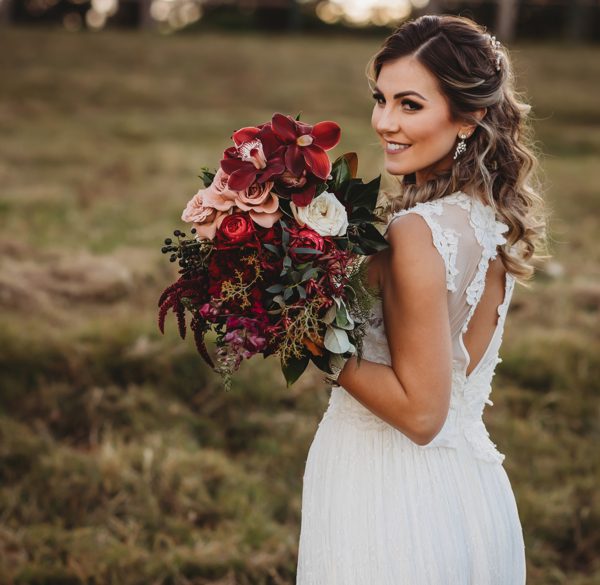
(236, 230)
(306, 238)
(300, 189)
(256, 156)
(306, 144)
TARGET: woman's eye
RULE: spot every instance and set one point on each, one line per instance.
(413, 105)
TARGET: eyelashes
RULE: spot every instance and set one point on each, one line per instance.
(414, 106)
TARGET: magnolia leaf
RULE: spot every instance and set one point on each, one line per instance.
(340, 172)
(365, 195)
(294, 369)
(360, 215)
(352, 160)
(321, 188)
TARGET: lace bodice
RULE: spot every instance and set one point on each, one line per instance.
(466, 234)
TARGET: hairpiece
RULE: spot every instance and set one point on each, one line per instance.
(496, 47)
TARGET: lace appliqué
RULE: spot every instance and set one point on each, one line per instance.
(445, 240)
(488, 231)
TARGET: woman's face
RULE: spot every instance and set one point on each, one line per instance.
(419, 117)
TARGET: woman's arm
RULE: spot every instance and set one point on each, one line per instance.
(413, 394)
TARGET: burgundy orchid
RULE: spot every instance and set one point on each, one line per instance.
(256, 156)
(306, 144)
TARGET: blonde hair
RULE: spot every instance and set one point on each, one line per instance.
(500, 164)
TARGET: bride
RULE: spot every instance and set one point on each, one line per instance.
(403, 485)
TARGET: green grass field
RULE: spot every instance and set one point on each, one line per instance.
(122, 461)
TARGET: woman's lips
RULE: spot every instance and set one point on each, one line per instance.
(396, 148)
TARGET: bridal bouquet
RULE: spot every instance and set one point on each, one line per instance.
(274, 264)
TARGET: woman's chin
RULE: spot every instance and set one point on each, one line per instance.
(393, 168)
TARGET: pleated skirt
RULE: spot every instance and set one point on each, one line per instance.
(378, 509)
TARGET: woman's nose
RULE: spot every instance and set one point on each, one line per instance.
(387, 122)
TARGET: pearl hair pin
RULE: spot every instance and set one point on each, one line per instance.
(496, 46)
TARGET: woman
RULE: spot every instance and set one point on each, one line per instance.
(403, 485)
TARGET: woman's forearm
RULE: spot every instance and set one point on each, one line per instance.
(377, 387)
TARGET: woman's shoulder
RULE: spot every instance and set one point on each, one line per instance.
(476, 215)
(458, 224)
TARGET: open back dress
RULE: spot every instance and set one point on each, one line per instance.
(379, 509)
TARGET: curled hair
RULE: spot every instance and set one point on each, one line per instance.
(500, 165)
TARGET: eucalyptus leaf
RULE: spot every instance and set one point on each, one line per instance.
(336, 340)
(272, 248)
(306, 250)
(275, 288)
(312, 272)
(329, 316)
(343, 318)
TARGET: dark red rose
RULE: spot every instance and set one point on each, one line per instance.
(270, 235)
(329, 246)
(236, 230)
(305, 238)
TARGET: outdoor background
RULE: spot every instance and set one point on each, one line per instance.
(122, 460)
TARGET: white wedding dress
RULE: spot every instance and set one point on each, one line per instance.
(378, 509)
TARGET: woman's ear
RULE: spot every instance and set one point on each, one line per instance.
(479, 114)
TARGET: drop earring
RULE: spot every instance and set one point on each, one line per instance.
(461, 147)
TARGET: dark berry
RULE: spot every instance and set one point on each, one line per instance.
(193, 230)
(177, 233)
(168, 241)
(173, 257)
(164, 249)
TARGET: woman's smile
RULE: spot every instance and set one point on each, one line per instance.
(394, 148)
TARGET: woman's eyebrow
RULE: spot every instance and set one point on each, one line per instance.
(403, 93)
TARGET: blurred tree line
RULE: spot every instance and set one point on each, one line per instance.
(574, 20)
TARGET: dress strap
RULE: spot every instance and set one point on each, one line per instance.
(445, 239)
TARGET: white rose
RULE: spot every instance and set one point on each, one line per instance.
(324, 214)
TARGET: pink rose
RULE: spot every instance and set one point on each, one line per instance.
(207, 208)
(218, 194)
(206, 219)
(260, 202)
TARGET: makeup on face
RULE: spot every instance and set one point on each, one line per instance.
(412, 118)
